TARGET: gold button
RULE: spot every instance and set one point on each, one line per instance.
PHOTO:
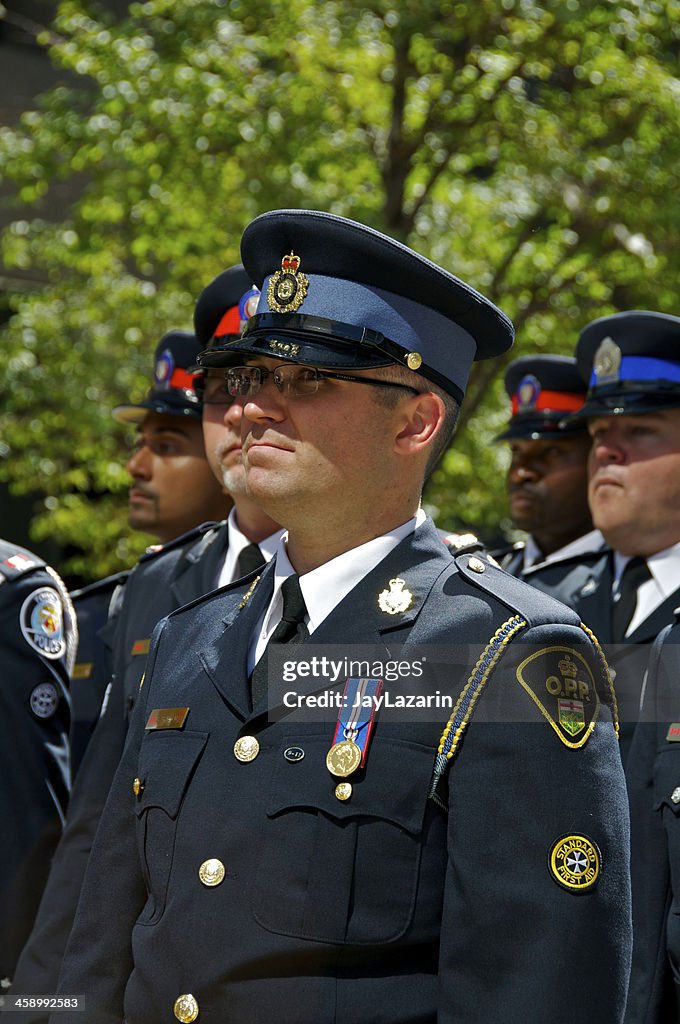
(211, 872)
(246, 749)
(476, 565)
(414, 360)
(138, 788)
(343, 790)
(186, 1008)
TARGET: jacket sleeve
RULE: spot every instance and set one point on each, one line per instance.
(536, 920)
(98, 958)
(38, 634)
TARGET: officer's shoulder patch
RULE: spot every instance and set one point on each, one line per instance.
(561, 684)
(184, 539)
(41, 619)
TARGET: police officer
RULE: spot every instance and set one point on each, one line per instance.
(173, 490)
(39, 639)
(547, 478)
(368, 867)
(165, 578)
(632, 363)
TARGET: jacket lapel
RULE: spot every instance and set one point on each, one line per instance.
(225, 660)
(592, 599)
(198, 571)
(655, 622)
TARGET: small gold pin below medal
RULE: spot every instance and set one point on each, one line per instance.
(343, 790)
(397, 599)
(343, 758)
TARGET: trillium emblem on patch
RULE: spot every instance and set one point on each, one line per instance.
(42, 625)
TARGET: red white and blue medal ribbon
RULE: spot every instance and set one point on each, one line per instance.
(354, 726)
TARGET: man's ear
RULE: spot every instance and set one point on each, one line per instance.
(422, 419)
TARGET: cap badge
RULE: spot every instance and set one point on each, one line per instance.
(395, 600)
(527, 393)
(165, 365)
(287, 287)
(607, 362)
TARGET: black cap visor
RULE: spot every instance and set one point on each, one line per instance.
(629, 398)
(315, 341)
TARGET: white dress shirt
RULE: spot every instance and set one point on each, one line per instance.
(237, 541)
(665, 580)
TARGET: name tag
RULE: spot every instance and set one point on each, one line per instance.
(167, 718)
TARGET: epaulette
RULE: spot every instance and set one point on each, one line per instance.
(100, 586)
(15, 561)
(462, 543)
(184, 538)
(533, 605)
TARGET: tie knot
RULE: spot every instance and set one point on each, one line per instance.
(294, 607)
(250, 559)
(635, 572)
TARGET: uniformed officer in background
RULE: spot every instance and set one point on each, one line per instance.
(547, 478)
(374, 868)
(165, 578)
(632, 362)
(38, 645)
(173, 491)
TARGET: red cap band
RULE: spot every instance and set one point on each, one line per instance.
(550, 401)
(230, 323)
(183, 379)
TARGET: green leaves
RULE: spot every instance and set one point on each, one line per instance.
(530, 147)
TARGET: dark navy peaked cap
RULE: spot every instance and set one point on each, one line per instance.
(174, 387)
(631, 362)
(544, 390)
(339, 295)
(223, 307)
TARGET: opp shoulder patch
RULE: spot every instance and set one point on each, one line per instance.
(42, 623)
(560, 682)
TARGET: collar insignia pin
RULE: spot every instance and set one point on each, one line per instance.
(395, 600)
(249, 593)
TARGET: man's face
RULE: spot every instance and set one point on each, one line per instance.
(222, 434)
(634, 488)
(173, 488)
(318, 457)
(547, 482)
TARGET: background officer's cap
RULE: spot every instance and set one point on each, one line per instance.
(223, 308)
(631, 362)
(174, 386)
(339, 295)
(544, 389)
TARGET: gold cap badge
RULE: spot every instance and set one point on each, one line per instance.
(287, 287)
(395, 600)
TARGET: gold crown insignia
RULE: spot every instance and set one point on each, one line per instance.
(568, 668)
(291, 263)
(287, 288)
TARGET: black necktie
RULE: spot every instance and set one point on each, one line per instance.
(251, 558)
(635, 572)
(290, 630)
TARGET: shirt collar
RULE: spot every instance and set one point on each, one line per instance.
(589, 542)
(663, 566)
(325, 587)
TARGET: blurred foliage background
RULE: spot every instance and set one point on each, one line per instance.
(530, 147)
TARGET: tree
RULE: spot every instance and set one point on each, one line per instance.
(530, 147)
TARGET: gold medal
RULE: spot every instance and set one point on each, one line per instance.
(343, 758)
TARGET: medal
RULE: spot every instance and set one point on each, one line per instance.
(343, 758)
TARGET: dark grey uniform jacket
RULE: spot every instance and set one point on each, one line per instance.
(588, 592)
(408, 902)
(162, 581)
(38, 641)
(653, 777)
